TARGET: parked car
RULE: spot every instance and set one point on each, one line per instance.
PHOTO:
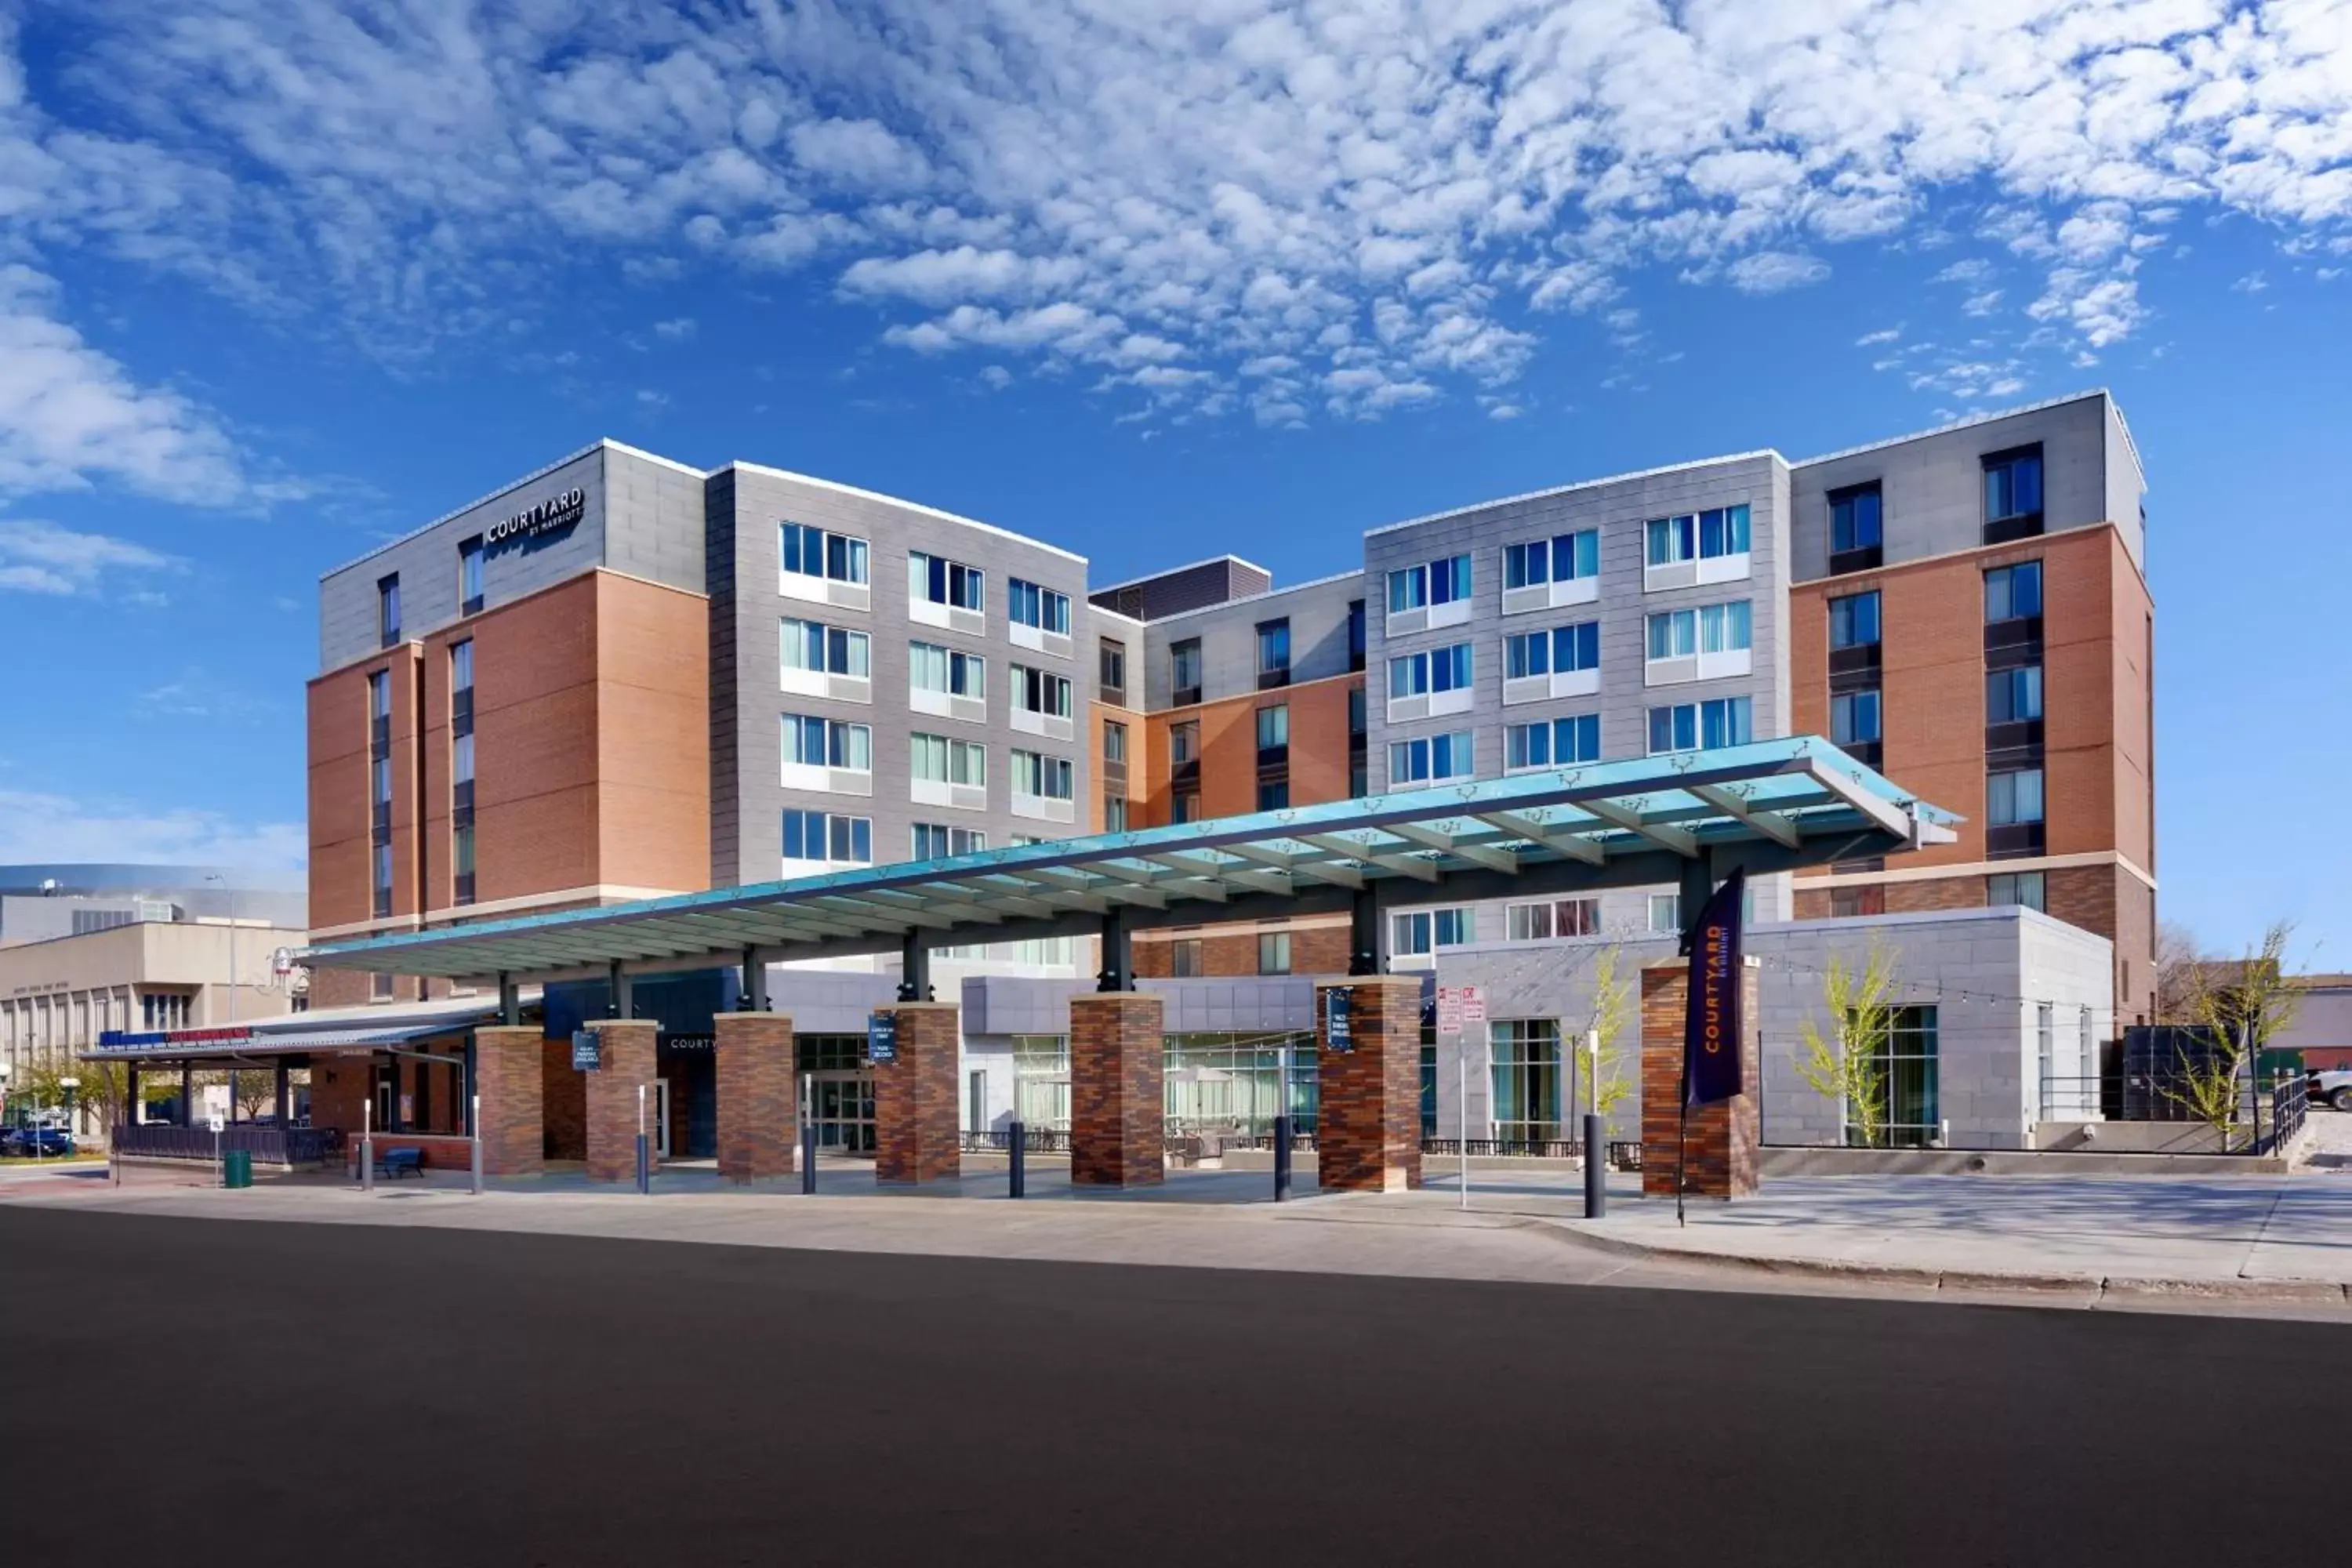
(2333, 1085)
(48, 1142)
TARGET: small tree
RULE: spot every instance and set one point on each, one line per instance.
(1849, 1064)
(2243, 1007)
(1612, 1009)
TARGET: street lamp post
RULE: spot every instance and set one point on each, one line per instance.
(222, 879)
(70, 1084)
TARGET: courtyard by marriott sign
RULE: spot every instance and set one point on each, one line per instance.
(550, 516)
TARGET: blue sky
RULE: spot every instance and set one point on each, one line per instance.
(1149, 280)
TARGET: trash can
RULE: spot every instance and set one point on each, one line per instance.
(236, 1168)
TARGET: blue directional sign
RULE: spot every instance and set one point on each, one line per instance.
(882, 1037)
(1337, 1026)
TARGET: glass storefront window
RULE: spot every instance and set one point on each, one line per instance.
(1525, 1054)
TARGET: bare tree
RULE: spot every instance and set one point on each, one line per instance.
(1612, 1009)
(2182, 965)
(1850, 1063)
(2242, 1005)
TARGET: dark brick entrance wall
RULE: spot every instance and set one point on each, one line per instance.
(1117, 1044)
(916, 1106)
(508, 1074)
(757, 1095)
(1368, 1134)
(628, 1063)
(1720, 1153)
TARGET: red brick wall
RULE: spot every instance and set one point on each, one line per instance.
(916, 1104)
(1227, 951)
(563, 1101)
(1368, 1129)
(1117, 1044)
(1719, 1153)
(613, 1098)
(507, 1066)
(758, 1096)
(1318, 748)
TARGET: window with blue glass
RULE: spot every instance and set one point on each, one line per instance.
(1855, 519)
(2013, 798)
(1853, 620)
(1432, 759)
(2014, 696)
(1855, 718)
(1706, 535)
(1435, 583)
(1553, 744)
(2013, 593)
(1420, 932)
(827, 743)
(938, 841)
(1555, 652)
(1709, 628)
(2012, 485)
(469, 575)
(1042, 608)
(1440, 669)
(945, 582)
(1562, 558)
(1688, 726)
(830, 837)
(812, 552)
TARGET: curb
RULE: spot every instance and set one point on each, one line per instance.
(2093, 1287)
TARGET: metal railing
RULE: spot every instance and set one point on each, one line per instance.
(1036, 1139)
(268, 1144)
(1625, 1154)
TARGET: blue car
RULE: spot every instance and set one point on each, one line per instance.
(48, 1142)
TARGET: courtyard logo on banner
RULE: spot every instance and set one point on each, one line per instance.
(548, 517)
(1712, 1065)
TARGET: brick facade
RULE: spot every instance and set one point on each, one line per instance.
(1117, 1047)
(1719, 1154)
(1368, 1136)
(759, 1099)
(916, 1108)
(613, 1096)
(508, 1076)
(1318, 947)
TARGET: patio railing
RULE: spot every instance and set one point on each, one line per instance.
(268, 1144)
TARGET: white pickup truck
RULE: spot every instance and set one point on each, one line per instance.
(2331, 1085)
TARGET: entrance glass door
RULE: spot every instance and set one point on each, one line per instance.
(841, 1105)
(661, 1118)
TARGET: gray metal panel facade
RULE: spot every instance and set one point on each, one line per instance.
(1932, 486)
(653, 520)
(719, 541)
(1318, 613)
(427, 562)
(762, 501)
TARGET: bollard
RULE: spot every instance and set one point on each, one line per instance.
(1596, 1169)
(367, 1164)
(645, 1170)
(477, 1145)
(1281, 1157)
(808, 1157)
(1019, 1146)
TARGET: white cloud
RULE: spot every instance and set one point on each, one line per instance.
(197, 693)
(675, 330)
(44, 558)
(1247, 180)
(1982, 304)
(1884, 335)
(35, 826)
(1770, 272)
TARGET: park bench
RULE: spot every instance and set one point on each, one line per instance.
(395, 1163)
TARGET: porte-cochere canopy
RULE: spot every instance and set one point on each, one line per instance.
(1771, 805)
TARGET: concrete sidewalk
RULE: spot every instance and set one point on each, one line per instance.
(2274, 1244)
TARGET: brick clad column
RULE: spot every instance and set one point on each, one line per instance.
(915, 1102)
(507, 1075)
(1117, 1109)
(1721, 1151)
(1368, 1130)
(758, 1096)
(613, 1096)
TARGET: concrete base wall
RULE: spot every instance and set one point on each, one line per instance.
(1785, 1162)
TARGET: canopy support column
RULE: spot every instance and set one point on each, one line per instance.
(1364, 932)
(1117, 971)
(754, 996)
(510, 1001)
(616, 991)
(914, 968)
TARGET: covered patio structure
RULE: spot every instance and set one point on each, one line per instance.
(1686, 819)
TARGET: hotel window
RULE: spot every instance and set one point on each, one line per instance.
(1358, 723)
(1525, 1054)
(817, 649)
(1559, 651)
(381, 862)
(1553, 744)
(1440, 669)
(469, 576)
(1665, 912)
(1855, 718)
(1184, 958)
(1114, 814)
(1433, 759)
(1688, 726)
(461, 681)
(811, 742)
(1273, 795)
(1184, 671)
(2012, 494)
(935, 759)
(387, 609)
(1562, 558)
(1114, 743)
(1273, 654)
(1274, 953)
(1848, 902)
(2014, 696)
(1184, 806)
(1705, 536)
(1710, 628)
(461, 771)
(1554, 920)
(1041, 691)
(1110, 678)
(2013, 593)
(2013, 799)
(461, 848)
(945, 670)
(1423, 587)
(938, 841)
(1355, 634)
(1908, 1070)
(380, 984)
(2029, 889)
(944, 582)
(1183, 742)
(1425, 931)
(1036, 774)
(1273, 733)
(1856, 536)
(806, 552)
(1853, 620)
(1028, 605)
(829, 837)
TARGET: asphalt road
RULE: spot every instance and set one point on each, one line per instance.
(193, 1390)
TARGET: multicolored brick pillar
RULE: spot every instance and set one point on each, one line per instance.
(915, 1102)
(1117, 1109)
(1719, 1154)
(759, 1098)
(508, 1076)
(628, 1063)
(1368, 1126)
